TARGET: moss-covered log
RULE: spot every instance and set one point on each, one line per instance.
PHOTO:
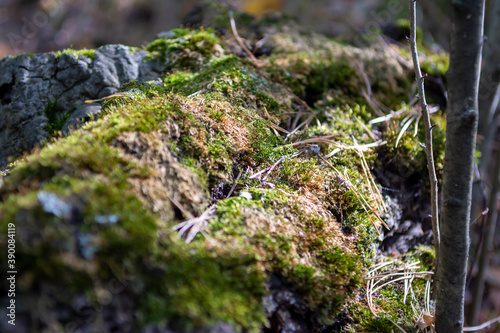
(282, 149)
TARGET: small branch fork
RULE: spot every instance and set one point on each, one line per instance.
(428, 130)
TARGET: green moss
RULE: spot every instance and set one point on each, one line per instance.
(335, 76)
(28, 54)
(408, 158)
(63, 221)
(389, 301)
(167, 152)
(178, 80)
(324, 281)
(214, 14)
(381, 324)
(185, 48)
(310, 75)
(197, 289)
(436, 63)
(403, 28)
(149, 88)
(89, 53)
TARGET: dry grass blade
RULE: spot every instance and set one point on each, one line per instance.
(119, 94)
(372, 186)
(234, 185)
(408, 108)
(374, 192)
(483, 326)
(268, 169)
(406, 123)
(395, 324)
(276, 127)
(304, 123)
(177, 204)
(370, 133)
(339, 145)
(393, 272)
(240, 41)
(375, 105)
(301, 102)
(409, 119)
(195, 225)
(296, 120)
(361, 200)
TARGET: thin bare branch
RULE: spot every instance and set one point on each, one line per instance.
(483, 326)
(428, 130)
(234, 185)
(240, 41)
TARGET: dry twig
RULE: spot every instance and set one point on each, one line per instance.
(483, 326)
(393, 272)
(195, 225)
(428, 131)
(240, 41)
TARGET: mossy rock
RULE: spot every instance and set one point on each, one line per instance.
(286, 213)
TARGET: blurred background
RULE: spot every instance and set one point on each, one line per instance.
(47, 25)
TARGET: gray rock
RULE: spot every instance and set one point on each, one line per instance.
(29, 83)
(83, 113)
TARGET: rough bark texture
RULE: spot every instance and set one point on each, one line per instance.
(465, 54)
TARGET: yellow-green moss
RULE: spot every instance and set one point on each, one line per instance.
(436, 63)
(185, 48)
(89, 53)
(409, 159)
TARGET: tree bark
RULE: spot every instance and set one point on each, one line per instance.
(462, 117)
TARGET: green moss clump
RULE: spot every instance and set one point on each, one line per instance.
(324, 279)
(233, 79)
(436, 63)
(408, 158)
(89, 53)
(186, 48)
(199, 289)
(338, 75)
(403, 28)
(100, 205)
